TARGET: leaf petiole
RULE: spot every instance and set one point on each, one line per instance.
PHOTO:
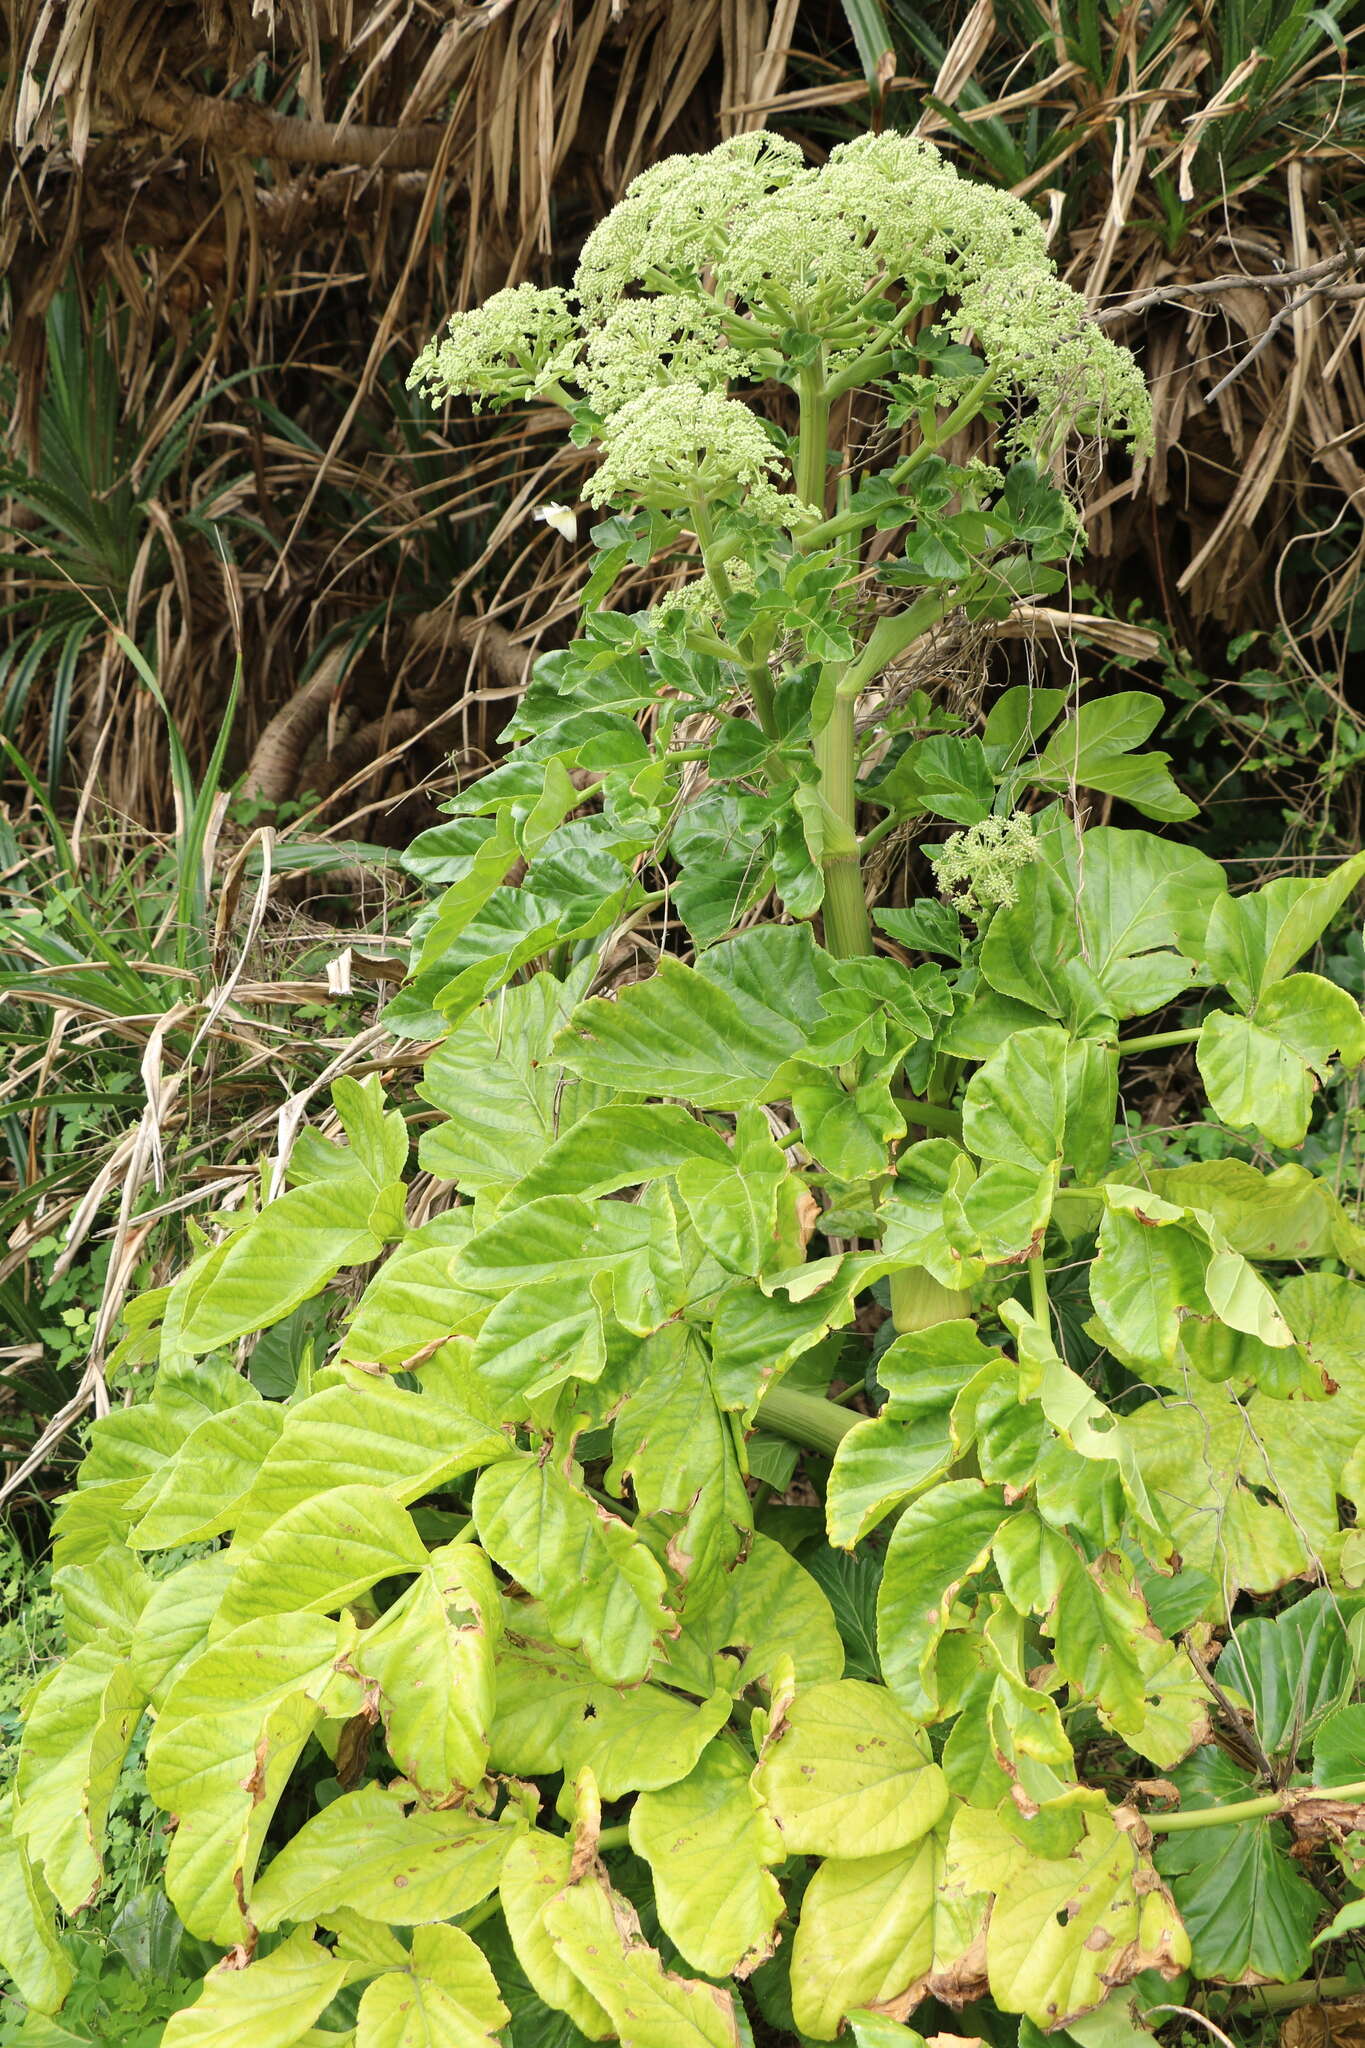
(1249, 1809)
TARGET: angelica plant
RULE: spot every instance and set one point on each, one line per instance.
(881, 272)
(500, 1683)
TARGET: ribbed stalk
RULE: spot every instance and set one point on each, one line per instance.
(848, 929)
(848, 933)
(805, 1419)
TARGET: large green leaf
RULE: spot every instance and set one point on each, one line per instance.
(1261, 1071)
(621, 1145)
(1102, 925)
(1093, 1613)
(742, 1207)
(446, 1997)
(272, 2004)
(756, 1336)
(677, 1448)
(720, 1032)
(1095, 749)
(710, 1843)
(1148, 1276)
(866, 1933)
(320, 1554)
(137, 1441)
(174, 1625)
(897, 1453)
(596, 1935)
(1249, 1912)
(1062, 1933)
(77, 1729)
(29, 1948)
(557, 1237)
(1292, 1670)
(769, 1608)
(505, 1098)
(228, 1735)
(367, 1853)
(198, 1493)
(1253, 941)
(1233, 1488)
(599, 1586)
(377, 1138)
(287, 1253)
(538, 1867)
(431, 1655)
(372, 1434)
(1015, 1105)
(940, 1540)
(542, 1333)
(843, 1770)
(555, 1714)
(412, 1304)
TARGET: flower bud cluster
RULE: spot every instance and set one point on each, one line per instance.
(727, 267)
(508, 348)
(674, 443)
(978, 870)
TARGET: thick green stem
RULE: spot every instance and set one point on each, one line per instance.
(848, 929)
(962, 415)
(706, 540)
(805, 1419)
(813, 439)
(848, 932)
(1286, 1997)
(891, 636)
(1157, 1041)
(875, 357)
(1248, 1809)
(930, 1116)
(614, 1838)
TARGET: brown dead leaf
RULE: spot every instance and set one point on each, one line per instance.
(1159, 1788)
(1338, 2024)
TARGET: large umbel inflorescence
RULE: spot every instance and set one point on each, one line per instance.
(745, 265)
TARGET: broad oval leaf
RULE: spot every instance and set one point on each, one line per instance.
(844, 1770)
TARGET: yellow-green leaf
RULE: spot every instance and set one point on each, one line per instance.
(29, 1948)
(596, 1935)
(283, 1256)
(445, 1998)
(78, 1727)
(228, 1735)
(709, 1842)
(1063, 1934)
(845, 1771)
(273, 2004)
(600, 1587)
(321, 1553)
(367, 1852)
(539, 1866)
(431, 1655)
(866, 1933)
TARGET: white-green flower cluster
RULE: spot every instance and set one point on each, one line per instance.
(676, 216)
(675, 443)
(698, 601)
(978, 870)
(699, 278)
(885, 211)
(646, 342)
(510, 347)
(1037, 333)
